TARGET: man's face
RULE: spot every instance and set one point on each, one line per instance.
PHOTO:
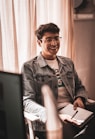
(50, 44)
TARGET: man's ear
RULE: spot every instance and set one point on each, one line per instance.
(39, 42)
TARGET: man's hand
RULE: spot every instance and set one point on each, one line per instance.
(78, 103)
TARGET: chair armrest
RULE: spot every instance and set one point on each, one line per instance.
(90, 105)
(29, 118)
(90, 102)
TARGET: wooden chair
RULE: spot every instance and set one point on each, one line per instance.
(29, 118)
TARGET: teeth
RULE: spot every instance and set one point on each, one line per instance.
(54, 48)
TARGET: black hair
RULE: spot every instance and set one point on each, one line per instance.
(50, 27)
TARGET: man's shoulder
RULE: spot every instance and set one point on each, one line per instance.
(31, 61)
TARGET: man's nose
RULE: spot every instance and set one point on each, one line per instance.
(53, 42)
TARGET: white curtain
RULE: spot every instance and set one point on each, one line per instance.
(18, 21)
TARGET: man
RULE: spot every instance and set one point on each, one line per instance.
(57, 72)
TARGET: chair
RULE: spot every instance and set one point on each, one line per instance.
(28, 121)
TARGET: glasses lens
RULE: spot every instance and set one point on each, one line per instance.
(50, 39)
(56, 38)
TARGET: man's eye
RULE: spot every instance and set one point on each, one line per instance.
(56, 38)
(49, 39)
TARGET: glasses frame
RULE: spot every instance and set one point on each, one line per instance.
(50, 39)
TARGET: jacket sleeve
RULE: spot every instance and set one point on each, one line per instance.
(80, 90)
(29, 94)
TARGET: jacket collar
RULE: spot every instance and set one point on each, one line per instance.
(42, 62)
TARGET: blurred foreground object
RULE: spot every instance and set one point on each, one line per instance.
(54, 126)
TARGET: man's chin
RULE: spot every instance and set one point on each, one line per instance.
(54, 52)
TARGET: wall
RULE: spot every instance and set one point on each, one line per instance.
(84, 42)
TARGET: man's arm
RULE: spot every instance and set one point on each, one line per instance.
(80, 92)
(29, 95)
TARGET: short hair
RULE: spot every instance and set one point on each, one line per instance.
(50, 27)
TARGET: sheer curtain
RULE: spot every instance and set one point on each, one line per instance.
(18, 21)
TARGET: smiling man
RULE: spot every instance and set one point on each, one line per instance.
(58, 72)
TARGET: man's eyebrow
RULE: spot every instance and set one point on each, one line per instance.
(52, 37)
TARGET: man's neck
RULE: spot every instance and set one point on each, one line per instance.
(49, 57)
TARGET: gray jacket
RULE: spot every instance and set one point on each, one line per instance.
(36, 73)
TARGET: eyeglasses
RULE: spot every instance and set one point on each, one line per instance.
(49, 39)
